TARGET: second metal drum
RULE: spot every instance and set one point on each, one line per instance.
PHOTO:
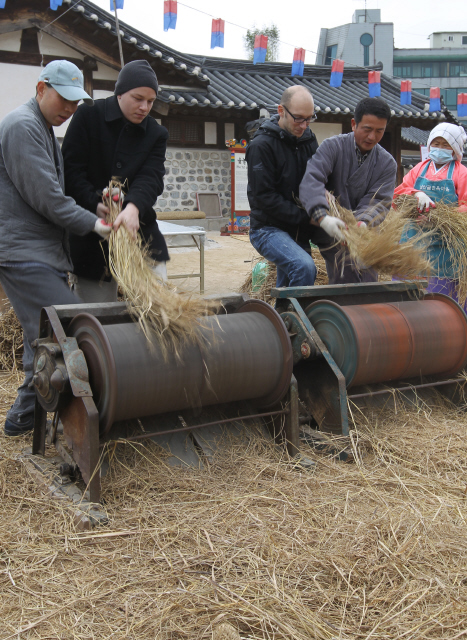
(381, 342)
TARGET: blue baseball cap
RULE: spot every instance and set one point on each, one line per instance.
(66, 79)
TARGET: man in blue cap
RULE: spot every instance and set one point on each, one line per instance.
(36, 216)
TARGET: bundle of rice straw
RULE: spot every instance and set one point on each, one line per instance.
(263, 292)
(167, 317)
(11, 341)
(378, 247)
(445, 223)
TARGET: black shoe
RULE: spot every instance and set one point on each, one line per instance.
(19, 428)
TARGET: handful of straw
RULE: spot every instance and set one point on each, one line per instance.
(166, 317)
(379, 248)
(447, 224)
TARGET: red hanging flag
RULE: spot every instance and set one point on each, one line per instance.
(261, 46)
(298, 64)
(337, 73)
(374, 83)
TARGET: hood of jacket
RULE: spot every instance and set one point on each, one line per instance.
(271, 127)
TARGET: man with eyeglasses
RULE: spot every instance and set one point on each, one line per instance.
(277, 156)
(361, 175)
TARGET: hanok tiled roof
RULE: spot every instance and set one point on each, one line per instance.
(239, 84)
(415, 136)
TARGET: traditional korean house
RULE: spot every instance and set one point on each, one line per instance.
(203, 101)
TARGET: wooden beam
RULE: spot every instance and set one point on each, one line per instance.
(72, 39)
(34, 59)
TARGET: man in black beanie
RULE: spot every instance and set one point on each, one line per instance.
(116, 137)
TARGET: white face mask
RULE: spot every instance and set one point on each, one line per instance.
(440, 156)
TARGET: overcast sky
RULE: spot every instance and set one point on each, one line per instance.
(299, 22)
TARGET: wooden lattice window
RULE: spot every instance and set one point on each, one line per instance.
(183, 132)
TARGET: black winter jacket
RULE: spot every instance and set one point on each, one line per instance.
(98, 145)
(276, 164)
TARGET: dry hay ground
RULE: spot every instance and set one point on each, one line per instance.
(375, 549)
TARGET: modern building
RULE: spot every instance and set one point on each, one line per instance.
(443, 65)
(368, 41)
(364, 42)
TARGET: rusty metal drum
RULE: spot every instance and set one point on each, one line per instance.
(246, 355)
(381, 342)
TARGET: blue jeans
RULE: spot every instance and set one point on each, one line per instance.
(295, 266)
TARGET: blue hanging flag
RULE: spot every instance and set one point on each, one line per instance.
(217, 33)
(406, 92)
(374, 83)
(261, 46)
(170, 14)
(435, 99)
(462, 105)
(337, 73)
(298, 64)
(2, 4)
(118, 4)
(54, 4)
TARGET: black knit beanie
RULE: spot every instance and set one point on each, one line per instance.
(136, 74)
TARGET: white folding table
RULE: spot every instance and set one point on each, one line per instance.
(198, 237)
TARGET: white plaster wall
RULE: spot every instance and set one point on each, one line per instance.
(104, 72)
(97, 95)
(10, 41)
(52, 47)
(19, 84)
(21, 81)
(323, 130)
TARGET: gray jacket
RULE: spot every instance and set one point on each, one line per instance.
(35, 214)
(366, 190)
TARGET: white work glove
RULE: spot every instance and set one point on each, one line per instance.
(424, 202)
(332, 226)
(116, 194)
(102, 228)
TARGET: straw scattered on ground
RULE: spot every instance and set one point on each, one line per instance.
(167, 316)
(11, 341)
(371, 550)
(445, 223)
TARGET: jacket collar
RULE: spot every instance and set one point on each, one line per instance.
(34, 105)
(113, 112)
(271, 127)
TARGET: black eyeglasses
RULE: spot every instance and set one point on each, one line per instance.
(299, 120)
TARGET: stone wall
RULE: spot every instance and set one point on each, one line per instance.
(189, 171)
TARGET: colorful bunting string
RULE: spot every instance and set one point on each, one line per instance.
(170, 14)
(337, 73)
(435, 99)
(217, 33)
(261, 46)
(374, 83)
(298, 64)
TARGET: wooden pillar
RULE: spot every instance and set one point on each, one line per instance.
(396, 152)
(89, 65)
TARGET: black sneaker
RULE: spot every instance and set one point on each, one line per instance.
(25, 424)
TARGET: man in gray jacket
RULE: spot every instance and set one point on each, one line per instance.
(35, 215)
(361, 175)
